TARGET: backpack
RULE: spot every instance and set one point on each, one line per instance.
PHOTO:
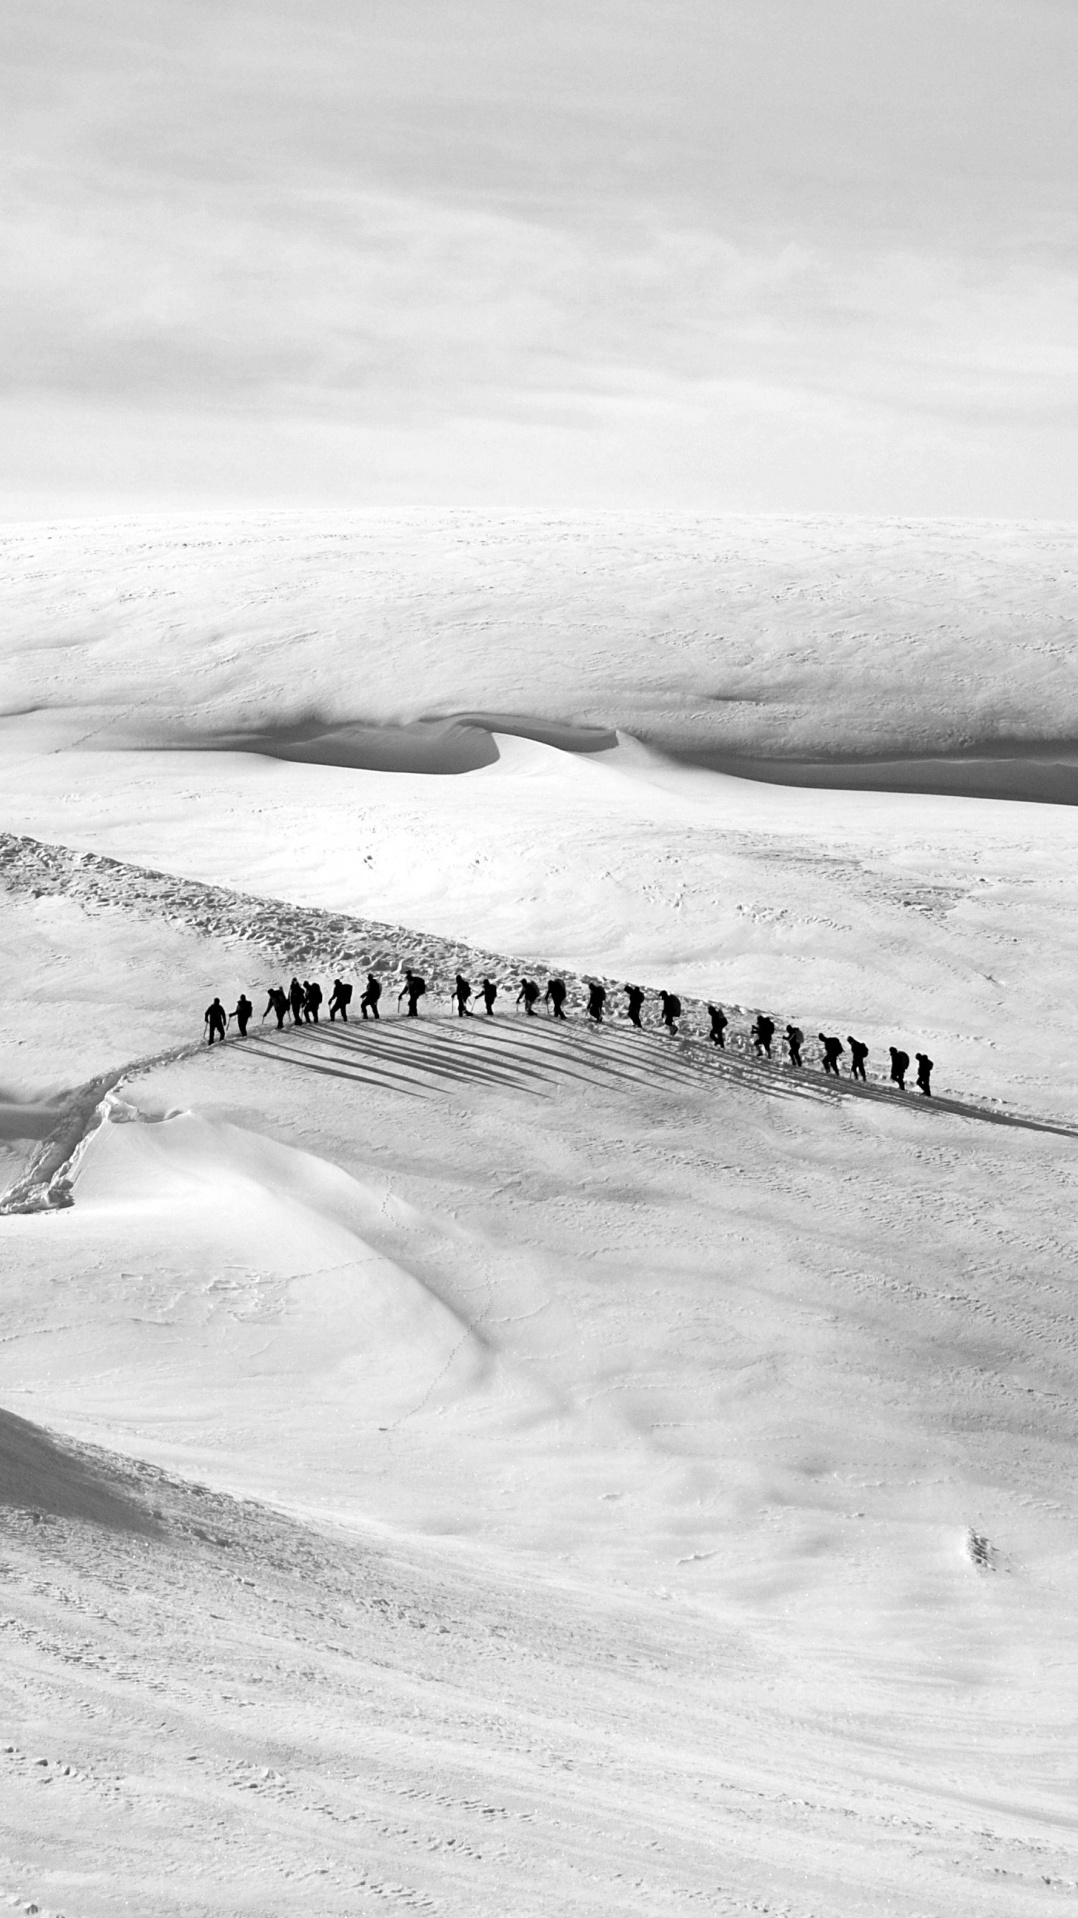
(673, 1006)
(417, 985)
(344, 994)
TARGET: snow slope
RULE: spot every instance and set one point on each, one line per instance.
(808, 636)
(943, 920)
(616, 1339)
(543, 1470)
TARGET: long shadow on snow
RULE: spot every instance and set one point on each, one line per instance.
(373, 1062)
(811, 1083)
(413, 1051)
(404, 1056)
(512, 1055)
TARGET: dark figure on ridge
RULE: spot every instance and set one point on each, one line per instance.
(924, 1074)
(295, 1000)
(719, 1023)
(762, 1034)
(900, 1065)
(555, 997)
(215, 1021)
(858, 1055)
(635, 998)
(795, 1039)
(596, 1001)
(372, 992)
(462, 992)
(671, 1012)
(832, 1050)
(312, 1001)
(242, 1014)
(527, 996)
(278, 1003)
(489, 990)
(413, 989)
(339, 1000)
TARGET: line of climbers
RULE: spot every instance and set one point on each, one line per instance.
(303, 1000)
(763, 1032)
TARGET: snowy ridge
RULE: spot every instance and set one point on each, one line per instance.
(293, 936)
(308, 938)
(536, 1469)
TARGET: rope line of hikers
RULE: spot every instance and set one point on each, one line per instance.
(303, 1001)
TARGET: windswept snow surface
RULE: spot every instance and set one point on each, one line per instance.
(799, 636)
(519, 1469)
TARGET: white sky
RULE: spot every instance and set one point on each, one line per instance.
(776, 255)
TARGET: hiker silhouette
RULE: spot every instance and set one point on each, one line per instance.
(635, 998)
(312, 999)
(832, 1050)
(719, 1023)
(924, 1074)
(242, 1014)
(490, 993)
(762, 1034)
(278, 1003)
(413, 989)
(900, 1065)
(555, 997)
(858, 1055)
(461, 993)
(527, 996)
(372, 992)
(795, 1039)
(596, 1001)
(339, 1001)
(671, 1005)
(214, 1021)
(295, 1000)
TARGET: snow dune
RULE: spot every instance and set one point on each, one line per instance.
(538, 1470)
(626, 1346)
(608, 1265)
(698, 635)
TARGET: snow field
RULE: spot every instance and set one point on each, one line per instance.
(580, 1331)
(545, 1470)
(798, 636)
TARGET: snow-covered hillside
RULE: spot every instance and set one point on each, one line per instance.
(694, 634)
(505, 1468)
